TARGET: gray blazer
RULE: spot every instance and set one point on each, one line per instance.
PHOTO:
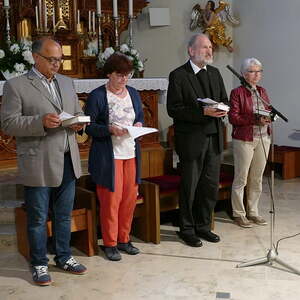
(40, 152)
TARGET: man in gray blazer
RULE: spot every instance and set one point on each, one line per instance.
(48, 155)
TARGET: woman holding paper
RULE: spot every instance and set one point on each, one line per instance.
(114, 159)
(251, 143)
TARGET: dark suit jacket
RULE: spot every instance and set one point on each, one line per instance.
(190, 125)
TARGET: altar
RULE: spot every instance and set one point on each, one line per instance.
(152, 91)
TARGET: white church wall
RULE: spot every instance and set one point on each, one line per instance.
(269, 31)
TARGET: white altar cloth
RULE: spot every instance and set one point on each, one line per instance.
(141, 84)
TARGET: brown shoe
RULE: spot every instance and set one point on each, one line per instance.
(258, 220)
(243, 222)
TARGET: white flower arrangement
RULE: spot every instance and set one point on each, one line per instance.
(132, 54)
(92, 48)
(16, 58)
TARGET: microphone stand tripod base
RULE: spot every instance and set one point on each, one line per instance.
(271, 256)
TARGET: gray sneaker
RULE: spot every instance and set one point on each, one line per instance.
(72, 266)
(242, 222)
(40, 275)
(112, 253)
(258, 220)
(128, 248)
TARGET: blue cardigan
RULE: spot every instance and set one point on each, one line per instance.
(101, 156)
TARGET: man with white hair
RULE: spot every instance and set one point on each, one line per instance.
(198, 138)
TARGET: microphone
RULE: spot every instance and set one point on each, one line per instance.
(241, 78)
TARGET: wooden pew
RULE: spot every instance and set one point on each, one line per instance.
(289, 159)
(83, 225)
(146, 216)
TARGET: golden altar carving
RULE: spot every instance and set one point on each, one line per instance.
(73, 35)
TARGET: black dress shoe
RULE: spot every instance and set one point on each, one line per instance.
(191, 240)
(208, 236)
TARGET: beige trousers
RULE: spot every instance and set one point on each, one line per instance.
(249, 165)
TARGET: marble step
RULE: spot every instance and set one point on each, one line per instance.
(11, 191)
(7, 210)
(8, 239)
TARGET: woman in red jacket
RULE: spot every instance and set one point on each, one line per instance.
(251, 143)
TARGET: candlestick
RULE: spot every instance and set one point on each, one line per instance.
(40, 14)
(53, 18)
(8, 40)
(130, 28)
(89, 28)
(116, 22)
(99, 33)
(60, 23)
(115, 8)
(93, 21)
(130, 8)
(46, 16)
(37, 17)
(99, 7)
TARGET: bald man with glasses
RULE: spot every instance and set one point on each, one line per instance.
(48, 155)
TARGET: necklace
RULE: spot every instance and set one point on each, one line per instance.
(119, 93)
(116, 93)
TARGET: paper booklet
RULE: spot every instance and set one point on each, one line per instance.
(68, 119)
(135, 131)
(263, 112)
(214, 104)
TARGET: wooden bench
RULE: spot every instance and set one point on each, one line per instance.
(83, 225)
(165, 188)
(146, 215)
(289, 159)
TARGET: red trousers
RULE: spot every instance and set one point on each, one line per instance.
(117, 208)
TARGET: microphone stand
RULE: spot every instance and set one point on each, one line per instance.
(272, 254)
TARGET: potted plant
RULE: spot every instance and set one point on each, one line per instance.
(16, 58)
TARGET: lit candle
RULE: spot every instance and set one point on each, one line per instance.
(94, 27)
(46, 16)
(40, 14)
(53, 18)
(89, 21)
(115, 8)
(98, 7)
(130, 8)
(37, 17)
(6, 2)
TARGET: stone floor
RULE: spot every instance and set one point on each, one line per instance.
(173, 270)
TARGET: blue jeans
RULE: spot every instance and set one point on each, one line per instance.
(60, 199)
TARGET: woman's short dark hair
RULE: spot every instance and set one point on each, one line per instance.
(119, 63)
(212, 5)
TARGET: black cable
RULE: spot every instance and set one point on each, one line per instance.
(284, 238)
(273, 211)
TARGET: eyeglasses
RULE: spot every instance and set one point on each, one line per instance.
(129, 75)
(52, 60)
(256, 72)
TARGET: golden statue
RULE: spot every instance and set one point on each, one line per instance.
(212, 21)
